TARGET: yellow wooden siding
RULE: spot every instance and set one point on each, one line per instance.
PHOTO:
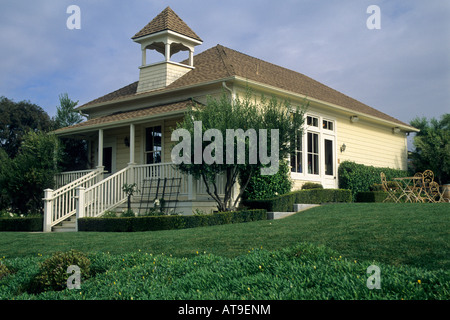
(371, 144)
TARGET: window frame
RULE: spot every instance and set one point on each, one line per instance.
(144, 146)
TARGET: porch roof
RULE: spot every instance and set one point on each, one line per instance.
(127, 117)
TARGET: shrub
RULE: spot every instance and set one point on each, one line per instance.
(285, 203)
(360, 178)
(166, 222)
(53, 271)
(311, 185)
(4, 271)
(26, 224)
(371, 196)
(266, 187)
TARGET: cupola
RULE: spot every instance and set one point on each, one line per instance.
(168, 35)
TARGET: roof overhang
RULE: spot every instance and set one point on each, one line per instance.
(328, 105)
(255, 85)
(126, 118)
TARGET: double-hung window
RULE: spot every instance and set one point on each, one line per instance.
(153, 145)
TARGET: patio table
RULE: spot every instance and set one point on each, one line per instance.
(410, 187)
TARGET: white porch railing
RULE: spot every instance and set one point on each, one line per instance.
(89, 197)
(103, 196)
(63, 178)
(60, 204)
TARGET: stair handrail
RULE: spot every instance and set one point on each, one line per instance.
(104, 195)
(60, 204)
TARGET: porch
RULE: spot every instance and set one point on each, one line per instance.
(95, 193)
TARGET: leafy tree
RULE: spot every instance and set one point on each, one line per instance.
(24, 178)
(74, 151)
(66, 115)
(432, 147)
(224, 114)
(16, 119)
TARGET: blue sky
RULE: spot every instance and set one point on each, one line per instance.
(403, 69)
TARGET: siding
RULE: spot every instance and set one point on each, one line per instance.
(371, 144)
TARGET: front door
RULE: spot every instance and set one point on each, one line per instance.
(329, 162)
(107, 160)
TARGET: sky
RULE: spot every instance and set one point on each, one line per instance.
(402, 69)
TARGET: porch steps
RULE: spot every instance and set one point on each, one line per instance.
(68, 225)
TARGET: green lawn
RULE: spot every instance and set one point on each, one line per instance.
(396, 234)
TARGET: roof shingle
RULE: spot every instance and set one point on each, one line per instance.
(220, 62)
(128, 115)
(167, 20)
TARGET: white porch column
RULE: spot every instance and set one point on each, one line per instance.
(100, 148)
(132, 163)
(48, 210)
(132, 143)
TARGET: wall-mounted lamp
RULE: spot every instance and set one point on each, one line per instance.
(396, 130)
(343, 147)
(126, 141)
(354, 119)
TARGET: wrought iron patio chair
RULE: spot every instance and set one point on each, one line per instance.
(428, 178)
(419, 187)
(434, 192)
(390, 191)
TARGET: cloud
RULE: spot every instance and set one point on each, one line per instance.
(402, 69)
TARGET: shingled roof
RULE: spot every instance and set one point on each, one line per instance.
(220, 62)
(167, 20)
(128, 115)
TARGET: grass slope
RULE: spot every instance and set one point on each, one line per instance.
(396, 234)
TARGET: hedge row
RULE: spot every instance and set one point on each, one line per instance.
(360, 178)
(28, 224)
(371, 196)
(140, 224)
(285, 203)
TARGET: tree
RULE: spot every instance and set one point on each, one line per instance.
(24, 178)
(66, 115)
(244, 129)
(16, 119)
(74, 151)
(432, 147)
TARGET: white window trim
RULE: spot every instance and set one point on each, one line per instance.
(323, 134)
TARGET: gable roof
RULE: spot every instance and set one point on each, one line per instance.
(220, 62)
(167, 20)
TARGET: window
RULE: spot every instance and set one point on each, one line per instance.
(313, 153)
(296, 157)
(153, 145)
(312, 121)
(327, 125)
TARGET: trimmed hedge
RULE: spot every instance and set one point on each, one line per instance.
(360, 178)
(155, 223)
(371, 196)
(27, 224)
(285, 203)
